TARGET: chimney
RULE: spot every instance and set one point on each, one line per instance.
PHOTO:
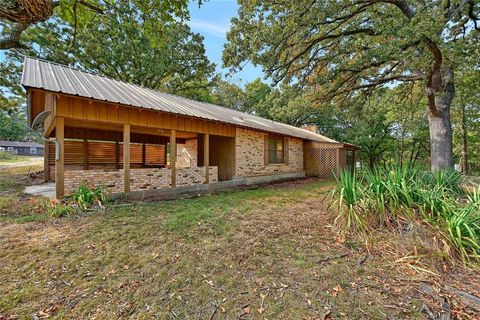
(311, 127)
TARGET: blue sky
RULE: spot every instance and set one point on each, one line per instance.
(212, 20)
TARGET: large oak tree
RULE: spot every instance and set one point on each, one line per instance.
(16, 16)
(336, 48)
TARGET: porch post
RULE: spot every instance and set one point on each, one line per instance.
(59, 158)
(85, 154)
(144, 152)
(117, 154)
(126, 158)
(206, 160)
(173, 157)
(46, 161)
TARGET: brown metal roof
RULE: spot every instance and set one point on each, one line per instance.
(54, 77)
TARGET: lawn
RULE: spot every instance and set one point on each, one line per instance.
(265, 253)
(20, 159)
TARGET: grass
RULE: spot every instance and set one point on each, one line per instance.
(269, 252)
(12, 159)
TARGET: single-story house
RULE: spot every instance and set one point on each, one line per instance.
(22, 148)
(128, 138)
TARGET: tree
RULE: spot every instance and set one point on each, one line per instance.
(173, 60)
(16, 16)
(13, 127)
(338, 48)
(228, 95)
(467, 119)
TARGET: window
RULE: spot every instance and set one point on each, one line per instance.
(10, 148)
(275, 150)
(33, 150)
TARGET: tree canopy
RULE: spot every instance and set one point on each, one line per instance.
(337, 48)
(19, 15)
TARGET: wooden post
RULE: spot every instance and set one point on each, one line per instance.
(144, 152)
(126, 157)
(59, 173)
(117, 154)
(85, 154)
(206, 159)
(46, 161)
(173, 157)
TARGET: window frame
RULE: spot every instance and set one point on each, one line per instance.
(273, 153)
(34, 150)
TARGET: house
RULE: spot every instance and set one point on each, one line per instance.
(22, 148)
(136, 140)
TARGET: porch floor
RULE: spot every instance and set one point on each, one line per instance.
(44, 189)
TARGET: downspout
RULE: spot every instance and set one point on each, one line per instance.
(57, 148)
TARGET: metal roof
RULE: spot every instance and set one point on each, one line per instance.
(60, 78)
(19, 144)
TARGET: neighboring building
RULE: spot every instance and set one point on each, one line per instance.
(129, 138)
(22, 148)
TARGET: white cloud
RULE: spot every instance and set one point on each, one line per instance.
(214, 29)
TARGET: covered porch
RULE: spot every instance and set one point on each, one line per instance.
(124, 157)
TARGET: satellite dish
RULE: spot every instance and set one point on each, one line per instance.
(39, 120)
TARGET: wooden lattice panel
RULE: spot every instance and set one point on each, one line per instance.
(321, 162)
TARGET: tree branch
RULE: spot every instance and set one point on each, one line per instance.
(12, 40)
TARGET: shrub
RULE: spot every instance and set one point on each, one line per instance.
(5, 155)
(385, 196)
(87, 198)
(349, 196)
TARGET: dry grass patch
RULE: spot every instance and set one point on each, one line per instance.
(266, 253)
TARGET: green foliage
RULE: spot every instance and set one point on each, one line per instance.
(386, 196)
(13, 126)
(87, 198)
(350, 197)
(130, 41)
(59, 210)
(342, 46)
(5, 155)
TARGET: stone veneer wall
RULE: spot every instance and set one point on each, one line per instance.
(250, 160)
(140, 179)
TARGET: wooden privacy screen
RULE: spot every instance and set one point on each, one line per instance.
(100, 153)
(321, 162)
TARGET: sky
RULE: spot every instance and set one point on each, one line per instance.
(212, 20)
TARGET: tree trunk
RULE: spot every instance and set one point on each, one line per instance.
(440, 126)
(464, 155)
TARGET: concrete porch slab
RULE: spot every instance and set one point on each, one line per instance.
(44, 189)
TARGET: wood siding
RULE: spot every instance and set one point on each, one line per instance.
(102, 154)
(88, 110)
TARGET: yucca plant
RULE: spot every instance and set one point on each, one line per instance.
(463, 227)
(349, 200)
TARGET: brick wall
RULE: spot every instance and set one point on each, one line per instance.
(111, 180)
(140, 179)
(195, 175)
(187, 154)
(250, 159)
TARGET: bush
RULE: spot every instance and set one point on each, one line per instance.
(5, 155)
(87, 198)
(387, 196)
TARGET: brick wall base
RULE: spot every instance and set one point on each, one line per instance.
(140, 179)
